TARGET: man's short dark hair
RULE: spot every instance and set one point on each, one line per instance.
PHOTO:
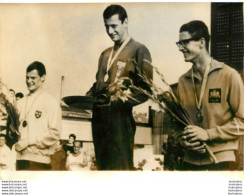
(72, 135)
(115, 9)
(197, 29)
(19, 94)
(37, 66)
(12, 90)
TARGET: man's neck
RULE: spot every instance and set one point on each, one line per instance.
(200, 64)
(120, 42)
(2, 146)
(76, 154)
(36, 91)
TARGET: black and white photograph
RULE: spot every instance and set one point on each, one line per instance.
(97, 92)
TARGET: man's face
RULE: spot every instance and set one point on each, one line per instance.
(34, 81)
(76, 147)
(115, 28)
(190, 49)
(2, 141)
(71, 140)
(12, 93)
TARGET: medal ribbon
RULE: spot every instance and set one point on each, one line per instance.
(205, 78)
(110, 59)
(27, 113)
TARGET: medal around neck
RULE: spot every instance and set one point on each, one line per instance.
(199, 116)
(24, 124)
(112, 59)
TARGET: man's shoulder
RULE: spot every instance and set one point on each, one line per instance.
(137, 44)
(185, 75)
(6, 148)
(48, 98)
(21, 102)
(107, 51)
(47, 95)
(225, 68)
(132, 44)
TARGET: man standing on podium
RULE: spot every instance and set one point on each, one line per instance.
(213, 95)
(40, 122)
(113, 125)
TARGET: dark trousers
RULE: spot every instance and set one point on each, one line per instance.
(222, 166)
(113, 130)
(26, 165)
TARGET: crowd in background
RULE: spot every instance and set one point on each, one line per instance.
(72, 156)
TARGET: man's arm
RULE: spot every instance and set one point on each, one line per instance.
(144, 68)
(235, 127)
(54, 127)
(92, 90)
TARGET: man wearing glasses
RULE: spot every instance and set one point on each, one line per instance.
(213, 95)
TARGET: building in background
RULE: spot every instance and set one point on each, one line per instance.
(227, 43)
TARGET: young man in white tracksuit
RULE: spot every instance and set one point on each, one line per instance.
(40, 122)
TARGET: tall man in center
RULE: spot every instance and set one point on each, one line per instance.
(113, 125)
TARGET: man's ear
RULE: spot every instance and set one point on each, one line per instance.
(126, 22)
(203, 43)
(43, 78)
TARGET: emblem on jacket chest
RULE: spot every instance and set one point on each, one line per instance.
(38, 114)
(214, 95)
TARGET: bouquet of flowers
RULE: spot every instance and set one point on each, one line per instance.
(164, 98)
(9, 103)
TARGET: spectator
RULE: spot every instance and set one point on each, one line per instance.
(78, 159)
(3, 117)
(68, 147)
(19, 95)
(6, 157)
(12, 98)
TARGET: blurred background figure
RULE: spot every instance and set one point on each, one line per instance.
(6, 158)
(68, 147)
(12, 92)
(12, 98)
(3, 116)
(19, 95)
(78, 159)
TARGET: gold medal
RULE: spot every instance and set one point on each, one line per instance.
(199, 116)
(24, 124)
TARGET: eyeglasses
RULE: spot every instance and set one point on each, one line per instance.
(186, 41)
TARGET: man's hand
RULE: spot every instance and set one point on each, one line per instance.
(192, 138)
(21, 145)
(195, 146)
(194, 133)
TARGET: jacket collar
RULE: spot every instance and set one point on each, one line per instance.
(214, 65)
